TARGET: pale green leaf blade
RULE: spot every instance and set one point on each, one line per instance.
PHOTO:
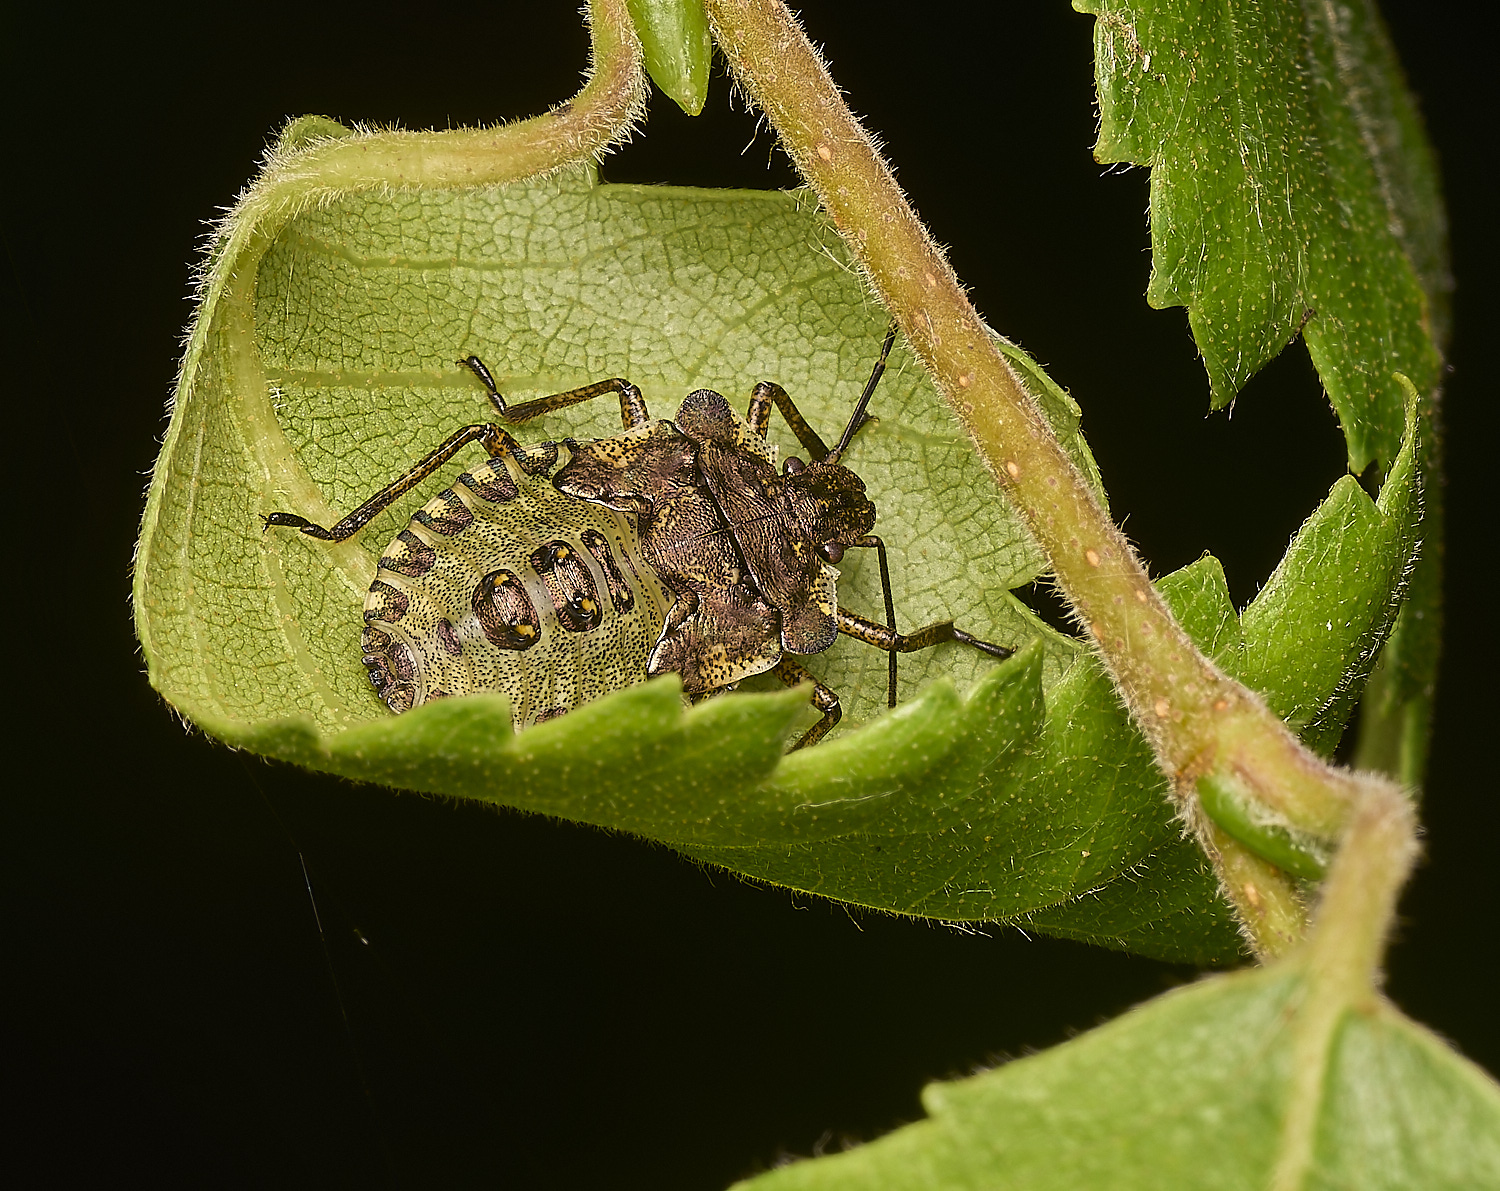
(1404, 1111)
(341, 372)
(1290, 189)
(1191, 1091)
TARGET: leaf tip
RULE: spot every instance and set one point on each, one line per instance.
(674, 36)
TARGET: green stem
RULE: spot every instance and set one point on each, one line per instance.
(1271, 914)
(1199, 721)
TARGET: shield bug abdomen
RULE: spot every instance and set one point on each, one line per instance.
(502, 583)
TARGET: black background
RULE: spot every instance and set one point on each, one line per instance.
(496, 999)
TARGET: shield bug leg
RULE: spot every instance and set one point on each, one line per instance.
(823, 699)
(854, 625)
(492, 438)
(894, 643)
(767, 393)
(759, 416)
(867, 542)
(632, 404)
(883, 637)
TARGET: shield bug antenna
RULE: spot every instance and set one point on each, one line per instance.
(885, 636)
(858, 418)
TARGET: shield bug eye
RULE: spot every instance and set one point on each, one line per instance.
(830, 551)
(793, 465)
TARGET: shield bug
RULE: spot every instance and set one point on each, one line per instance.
(730, 561)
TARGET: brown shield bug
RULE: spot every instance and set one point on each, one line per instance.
(675, 546)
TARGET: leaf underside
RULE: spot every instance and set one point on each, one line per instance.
(1291, 188)
(1192, 1091)
(1034, 801)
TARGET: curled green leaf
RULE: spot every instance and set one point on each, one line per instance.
(326, 367)
(331, 369)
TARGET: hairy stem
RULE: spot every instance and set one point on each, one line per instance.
(1271, 914)
(1199, 721)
